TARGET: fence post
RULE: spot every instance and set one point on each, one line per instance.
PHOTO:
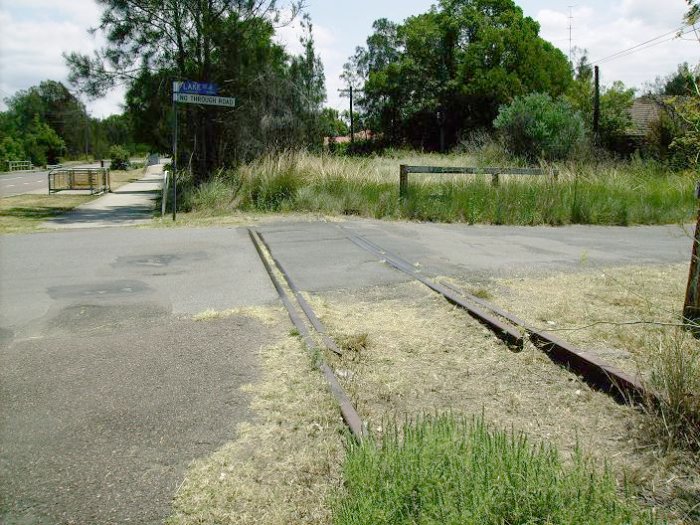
(494, 179)
(691, 308)
(403, 181)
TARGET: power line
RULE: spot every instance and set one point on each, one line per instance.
(646, 45)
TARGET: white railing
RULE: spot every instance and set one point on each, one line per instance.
(19, 165)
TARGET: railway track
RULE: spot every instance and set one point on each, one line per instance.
(512, 330)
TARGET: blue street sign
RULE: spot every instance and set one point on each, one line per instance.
(197, 88)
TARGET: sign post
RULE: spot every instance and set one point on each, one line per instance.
(191, 92)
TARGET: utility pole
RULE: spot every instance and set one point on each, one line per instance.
(345, 92)
(596, 105)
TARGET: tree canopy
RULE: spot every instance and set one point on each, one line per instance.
(150, 43)
(453, 66)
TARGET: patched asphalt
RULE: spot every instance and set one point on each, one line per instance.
(109, 389)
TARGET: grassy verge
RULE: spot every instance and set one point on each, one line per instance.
(420, 356)
(618, 193)
(120, 178)
(25, 213)
(447, 469)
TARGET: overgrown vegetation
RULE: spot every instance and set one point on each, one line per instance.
(47, 123)
(618, 193)
(447, 469)
(675, 379)
(537, 127)
(119, 158)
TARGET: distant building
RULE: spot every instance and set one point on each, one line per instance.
(360, 135)
(645, 111)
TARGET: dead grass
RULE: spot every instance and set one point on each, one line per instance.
(589, 307)
(285, 463)
(268, 316)
(426, 356)
(119, 178)
(25, 213)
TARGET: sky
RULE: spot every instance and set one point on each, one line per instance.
(35, 33)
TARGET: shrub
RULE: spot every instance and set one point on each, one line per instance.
(538, 127)
(119, 157)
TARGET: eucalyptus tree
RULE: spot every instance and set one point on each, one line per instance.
(229, 42)
(452, 67)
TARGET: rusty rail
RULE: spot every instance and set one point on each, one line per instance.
(305, 306)
(350, 416)
(503, 330)
(594, 371)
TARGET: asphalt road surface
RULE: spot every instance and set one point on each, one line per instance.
(17, 183)
(108, 389)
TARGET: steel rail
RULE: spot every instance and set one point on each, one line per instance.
(504, 331)
(347, 410)
(595, 372)
(305, 306)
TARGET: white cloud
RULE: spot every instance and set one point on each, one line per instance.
(33, 46)
(625, 24)
(327, 48)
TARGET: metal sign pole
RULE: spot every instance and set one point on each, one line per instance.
(175, 89)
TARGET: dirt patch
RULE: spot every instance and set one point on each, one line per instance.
(284, 464)
(425, 356)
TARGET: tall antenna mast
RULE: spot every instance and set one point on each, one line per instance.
(571, 27)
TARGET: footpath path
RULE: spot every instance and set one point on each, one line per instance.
(129, 205)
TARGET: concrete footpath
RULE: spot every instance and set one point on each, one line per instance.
(129, 205)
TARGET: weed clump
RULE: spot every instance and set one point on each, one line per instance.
(445, 469)
(675, 382)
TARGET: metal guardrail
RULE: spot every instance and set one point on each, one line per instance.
(404, 170)
(96, 180)
(19, 165)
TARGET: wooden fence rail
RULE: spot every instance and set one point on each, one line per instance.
(404, 171)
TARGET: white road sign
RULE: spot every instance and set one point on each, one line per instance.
(207, 100)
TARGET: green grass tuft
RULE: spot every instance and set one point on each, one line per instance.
(443, 470)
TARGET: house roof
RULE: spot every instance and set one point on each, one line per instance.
(644, 111)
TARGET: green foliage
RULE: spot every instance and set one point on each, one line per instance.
(228, 43)
(11, 149)
(537, 127)
(615, 120)
(463, 59)
(119, 158)
(331, 124)
(445, 469)
(615, 102)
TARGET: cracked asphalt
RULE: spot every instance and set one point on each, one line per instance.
(109, 389)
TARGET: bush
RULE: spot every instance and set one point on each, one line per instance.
(119, 157)
(537, 127)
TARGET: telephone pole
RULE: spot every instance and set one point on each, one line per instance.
(345, 92)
